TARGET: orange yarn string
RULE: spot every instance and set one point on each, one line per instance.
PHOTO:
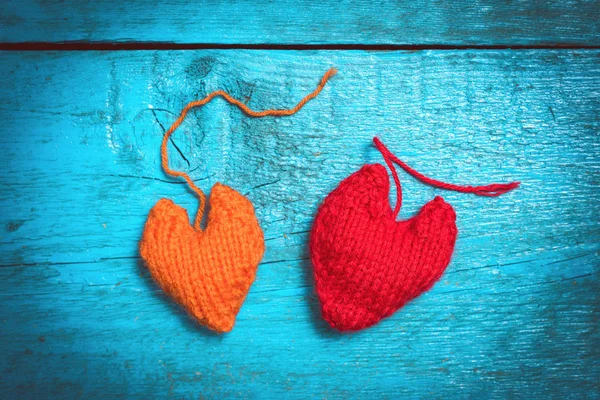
(248, 111)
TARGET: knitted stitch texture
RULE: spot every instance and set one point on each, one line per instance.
(209, 272)
(366, 264)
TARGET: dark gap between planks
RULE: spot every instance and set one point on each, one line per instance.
(111, 46)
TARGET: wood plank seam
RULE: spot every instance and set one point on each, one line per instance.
(133, 46)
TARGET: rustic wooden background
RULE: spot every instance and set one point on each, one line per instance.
(474, 92)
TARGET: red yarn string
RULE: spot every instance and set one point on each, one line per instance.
(492, 190)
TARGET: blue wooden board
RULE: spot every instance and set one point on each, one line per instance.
(515, 315)
(305, 22)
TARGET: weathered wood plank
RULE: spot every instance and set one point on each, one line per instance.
(570, 22)
(515, 315)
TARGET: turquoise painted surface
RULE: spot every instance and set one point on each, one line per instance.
(515, 315)
(477, 22)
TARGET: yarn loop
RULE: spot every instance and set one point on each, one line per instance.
(247, 110)
(491, 190)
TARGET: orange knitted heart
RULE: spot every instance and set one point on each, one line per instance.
(210, 271)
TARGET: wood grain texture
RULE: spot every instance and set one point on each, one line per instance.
(567, 22)
(515, 315)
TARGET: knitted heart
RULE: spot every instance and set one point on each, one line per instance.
(367, 265)
(209, 272)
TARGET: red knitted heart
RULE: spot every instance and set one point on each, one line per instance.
(366, 264)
